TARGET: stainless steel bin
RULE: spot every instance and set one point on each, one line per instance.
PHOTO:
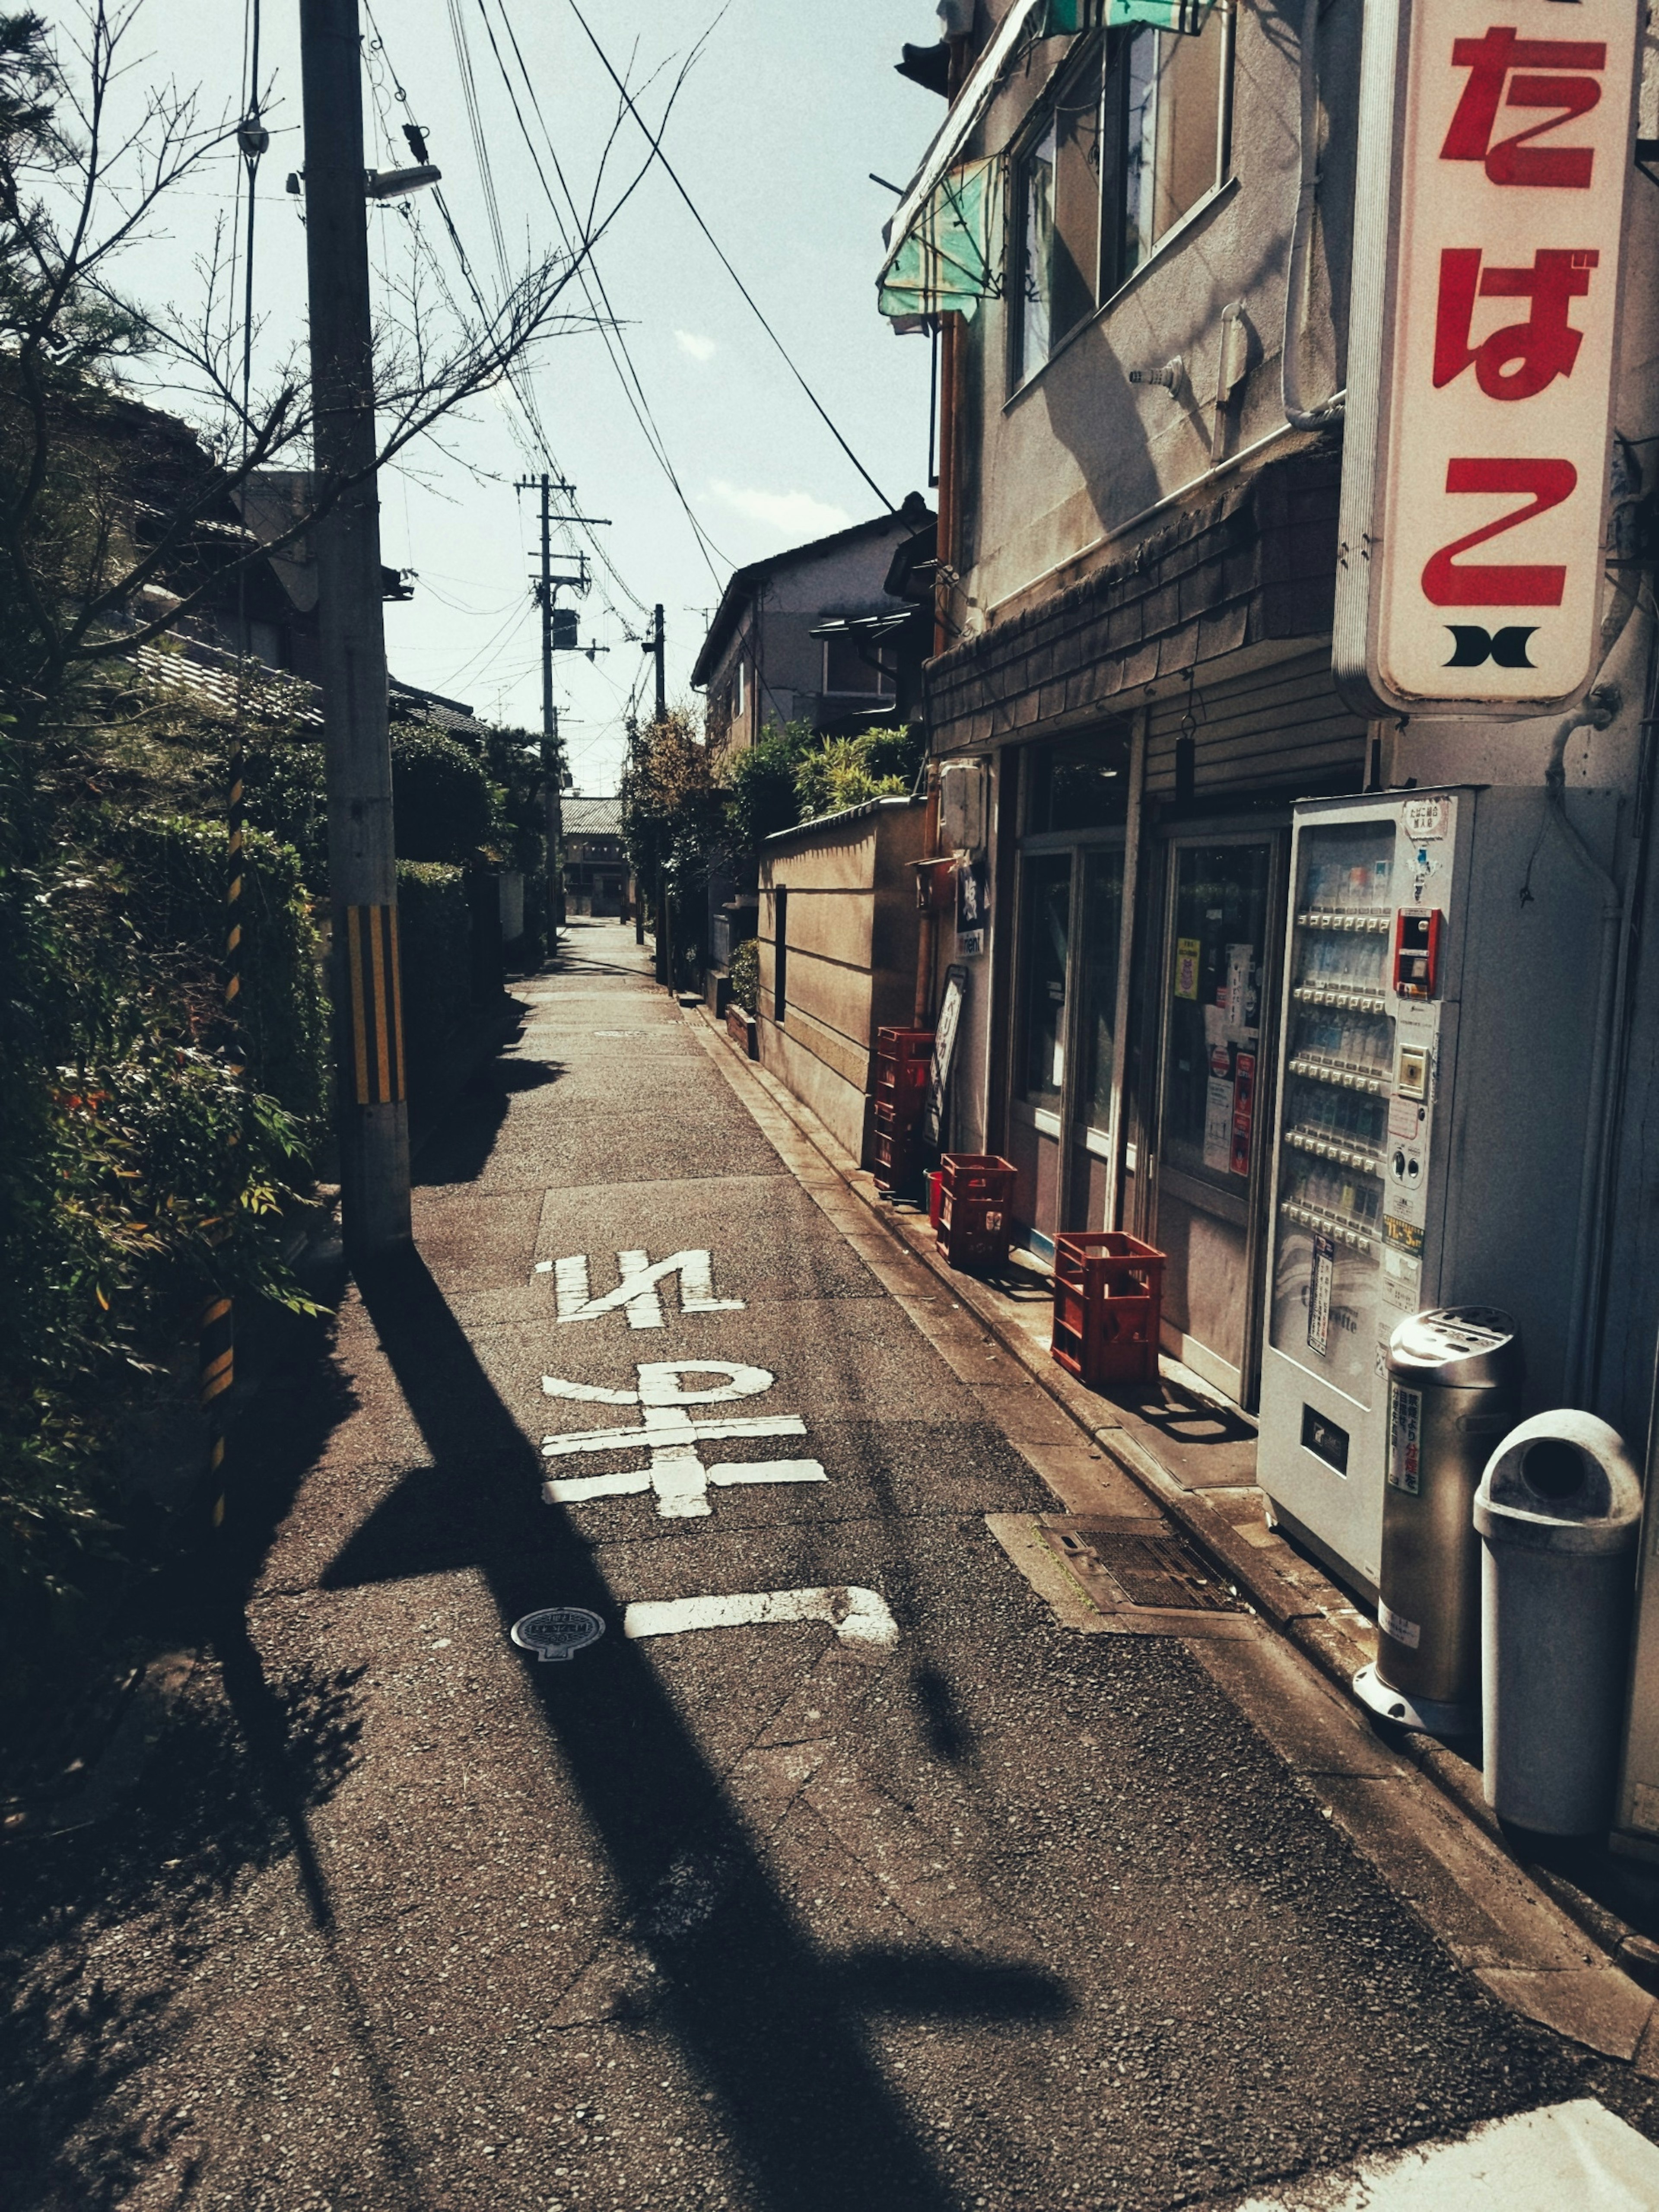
(1454, 1381)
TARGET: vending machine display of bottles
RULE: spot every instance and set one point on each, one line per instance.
(1339, 1060)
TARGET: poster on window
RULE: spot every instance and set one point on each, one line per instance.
(973, 905)
(1494, 147)
(1218, 1124)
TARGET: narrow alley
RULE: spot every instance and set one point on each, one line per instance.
(891, 1890)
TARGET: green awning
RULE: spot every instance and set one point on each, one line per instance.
(950, 258)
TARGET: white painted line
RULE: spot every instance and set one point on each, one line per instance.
(766, 1470)
(858, 1616)
(668, 1427)
(1578, 2154)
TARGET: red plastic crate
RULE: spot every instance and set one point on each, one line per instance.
(904, 1062)
(976, 1209)
(1109, 1305)
(898, 1150)
(904, 1044)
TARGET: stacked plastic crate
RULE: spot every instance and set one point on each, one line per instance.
(904, 1059)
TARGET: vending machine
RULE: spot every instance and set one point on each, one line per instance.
(1434, 1086)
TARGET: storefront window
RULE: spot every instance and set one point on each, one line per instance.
(1102, 911)
(1083, 785)
(1215, 987)
(1047, 927)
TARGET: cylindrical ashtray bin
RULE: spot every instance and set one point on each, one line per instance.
(1557, 1512)
(977, 1208)
(1454, 1381)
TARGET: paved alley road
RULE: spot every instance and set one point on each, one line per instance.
(926, 1902)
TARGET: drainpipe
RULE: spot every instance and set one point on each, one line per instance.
(1583, 1326)
(1299, 416)
(922, 1011)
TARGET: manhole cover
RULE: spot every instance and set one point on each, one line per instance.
(557, 1632)
(1156, 1572)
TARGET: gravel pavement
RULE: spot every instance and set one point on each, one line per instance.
(770, 1915)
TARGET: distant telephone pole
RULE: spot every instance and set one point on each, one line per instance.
(545, 587)
(373, 1117)
(654, 644)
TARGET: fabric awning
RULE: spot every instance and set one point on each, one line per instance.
(950, 258)
(937, 267)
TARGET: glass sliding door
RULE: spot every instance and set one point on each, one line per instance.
(1212, 1096)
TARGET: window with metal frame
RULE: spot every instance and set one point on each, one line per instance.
(1133, 137)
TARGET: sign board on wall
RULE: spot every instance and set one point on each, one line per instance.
(1494, 158)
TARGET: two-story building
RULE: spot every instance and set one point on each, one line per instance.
(1132, 240)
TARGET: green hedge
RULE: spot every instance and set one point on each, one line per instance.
(435, 955)
(169, 885)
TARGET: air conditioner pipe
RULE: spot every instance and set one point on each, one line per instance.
(1296, 280)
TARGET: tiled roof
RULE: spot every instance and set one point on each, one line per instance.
(591, 817)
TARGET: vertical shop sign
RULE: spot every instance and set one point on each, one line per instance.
(1494, 157)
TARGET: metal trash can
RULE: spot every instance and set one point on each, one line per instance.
(1559, 1512)
(1454, 1379)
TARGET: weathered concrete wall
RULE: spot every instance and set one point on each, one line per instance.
(850, 940)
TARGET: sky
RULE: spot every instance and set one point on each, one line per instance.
(785, 111)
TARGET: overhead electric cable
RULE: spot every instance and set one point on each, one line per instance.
(539, 452)
(588, 272)
(673, 177)
(609, 325)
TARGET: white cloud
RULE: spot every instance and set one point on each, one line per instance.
(795, 515)
(699, 348)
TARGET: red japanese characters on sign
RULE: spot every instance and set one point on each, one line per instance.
(1495, 148)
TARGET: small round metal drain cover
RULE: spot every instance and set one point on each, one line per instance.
(557, 1632)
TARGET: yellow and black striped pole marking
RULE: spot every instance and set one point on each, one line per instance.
(216, 1371)
(377, 1012)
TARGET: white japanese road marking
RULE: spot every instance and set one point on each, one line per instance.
(636, 1287)
(674, 1470)
(858, 1616)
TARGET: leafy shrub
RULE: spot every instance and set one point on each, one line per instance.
(439, 797)
(744, 972)
(168, 888)
(838, 774)
(760, 785)
(435, 957)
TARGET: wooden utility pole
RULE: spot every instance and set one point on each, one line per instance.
(373, 1117)
(654, 644)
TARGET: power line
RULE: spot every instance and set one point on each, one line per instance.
(526, 399)
(609, 328)
(673, 176)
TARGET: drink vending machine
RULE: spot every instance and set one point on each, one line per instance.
(1434, 1082)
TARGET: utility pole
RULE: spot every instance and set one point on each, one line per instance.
(654, 644)
(373, 1117)
(547, 584)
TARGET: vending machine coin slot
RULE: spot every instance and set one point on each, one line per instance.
(1412, 1076)
(1416, 951)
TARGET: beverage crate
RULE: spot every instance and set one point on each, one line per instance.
(897, 1146)
(1108, 1303)
(976, 1211)
(904, 1060)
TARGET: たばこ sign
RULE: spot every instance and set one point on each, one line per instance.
(1495, 146)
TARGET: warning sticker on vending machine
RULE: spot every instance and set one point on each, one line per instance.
(1405, 1439)
(1319, 1295)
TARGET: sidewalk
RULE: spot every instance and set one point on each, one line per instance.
(847, 1868)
